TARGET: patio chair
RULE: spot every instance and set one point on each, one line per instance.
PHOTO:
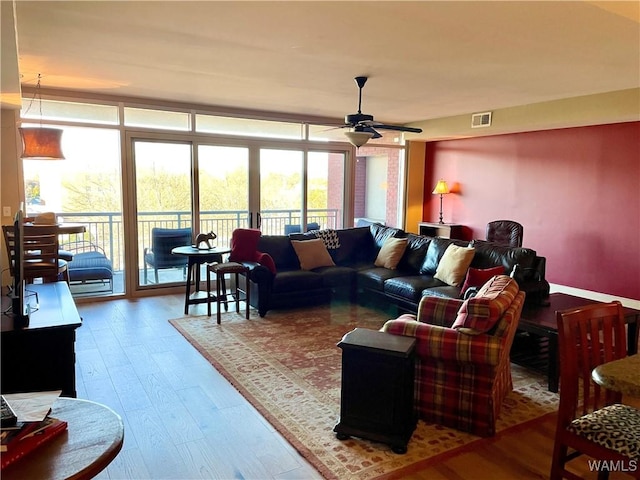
(89, 264)
(296, 228)
(159, 256)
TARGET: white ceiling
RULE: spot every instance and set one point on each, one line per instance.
(425, 59)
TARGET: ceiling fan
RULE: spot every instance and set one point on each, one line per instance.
(363, 127)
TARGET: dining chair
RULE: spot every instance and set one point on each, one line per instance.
(591, 421)
(41, 253)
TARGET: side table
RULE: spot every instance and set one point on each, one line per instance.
(377, 397)
(94, 437)
(445, 230)
(196, 257)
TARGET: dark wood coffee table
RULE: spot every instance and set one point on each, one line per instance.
(540, 351)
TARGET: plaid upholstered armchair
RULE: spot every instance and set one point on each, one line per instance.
(463, 371)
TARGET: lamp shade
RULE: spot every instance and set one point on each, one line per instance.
(441, 188)
(358, 139)
(41, 143)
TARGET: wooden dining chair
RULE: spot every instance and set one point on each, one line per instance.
(591, 421)
(41, 254)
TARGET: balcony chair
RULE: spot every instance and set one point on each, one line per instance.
(463, 371)
(159, 256)
(505, 232)
(591, 421)
(89, 264)
(296, 228)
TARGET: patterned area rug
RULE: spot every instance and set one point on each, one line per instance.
(288, 366)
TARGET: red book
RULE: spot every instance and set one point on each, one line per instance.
(30, 437)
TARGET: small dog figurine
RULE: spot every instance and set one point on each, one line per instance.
(205, 238)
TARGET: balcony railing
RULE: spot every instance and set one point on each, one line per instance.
(105, 229)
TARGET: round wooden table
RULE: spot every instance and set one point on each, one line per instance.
(196, 257)
(93, 438)
(621, 375)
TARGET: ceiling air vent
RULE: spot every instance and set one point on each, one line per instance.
(481, 120)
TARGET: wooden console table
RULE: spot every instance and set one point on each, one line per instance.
(445, 230)
(93, 439)
(41, 356)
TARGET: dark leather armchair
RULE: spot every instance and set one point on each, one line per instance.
(505, 232)
(159, 256)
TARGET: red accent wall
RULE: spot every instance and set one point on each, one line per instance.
(576, 191)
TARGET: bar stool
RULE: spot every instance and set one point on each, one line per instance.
(221, 296)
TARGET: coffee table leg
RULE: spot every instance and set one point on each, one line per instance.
(553, 362)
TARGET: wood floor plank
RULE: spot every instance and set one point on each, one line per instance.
(184, 420)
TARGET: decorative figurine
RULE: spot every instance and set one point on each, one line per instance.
(205, 238)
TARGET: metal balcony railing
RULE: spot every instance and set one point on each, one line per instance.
(105, 229)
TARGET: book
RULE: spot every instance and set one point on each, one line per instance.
(26, 437)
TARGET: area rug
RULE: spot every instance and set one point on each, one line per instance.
(288, 366)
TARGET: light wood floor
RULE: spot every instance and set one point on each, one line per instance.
(183, 420)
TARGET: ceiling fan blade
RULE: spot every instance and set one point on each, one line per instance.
(372, 130)
(399, 128)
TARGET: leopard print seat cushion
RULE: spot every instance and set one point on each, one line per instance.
(616, 427)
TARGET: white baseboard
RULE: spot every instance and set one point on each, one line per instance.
(600, 297)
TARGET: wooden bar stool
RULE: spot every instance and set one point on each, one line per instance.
(221, 296)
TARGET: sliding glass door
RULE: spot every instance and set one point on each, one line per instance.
(163, 209)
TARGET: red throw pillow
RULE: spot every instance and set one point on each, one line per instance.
(266, 260)
(477, 277)
(244, 244)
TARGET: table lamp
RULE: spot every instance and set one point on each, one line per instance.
(441, 189)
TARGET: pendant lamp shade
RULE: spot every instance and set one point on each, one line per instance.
(41, 143)
(358, 139)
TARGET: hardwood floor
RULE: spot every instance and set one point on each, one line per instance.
(183, 420)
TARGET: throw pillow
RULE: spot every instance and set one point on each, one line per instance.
(477, 277)
(312, 254)
(391, 252)
(480, 313)
(244, 244)
(454, 264)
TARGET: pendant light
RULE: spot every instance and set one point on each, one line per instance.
(40, 142)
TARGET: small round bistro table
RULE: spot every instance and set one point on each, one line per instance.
(196, 257)
(622, 375)
(93, 439)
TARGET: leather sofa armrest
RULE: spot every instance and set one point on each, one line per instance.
(447, 344)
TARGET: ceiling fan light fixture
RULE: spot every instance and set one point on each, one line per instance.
(358, 139)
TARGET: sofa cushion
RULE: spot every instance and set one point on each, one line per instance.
(480, 313)
(410, 287)
(281, 250)
(415, 253)
(356, 247)
(312, 254)
(373, 278)
(490, 254)
(380, 233)
(477, 277)
(296, 281)
(391, 252)
(337, 276)
(454, 264)
(435, 251)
